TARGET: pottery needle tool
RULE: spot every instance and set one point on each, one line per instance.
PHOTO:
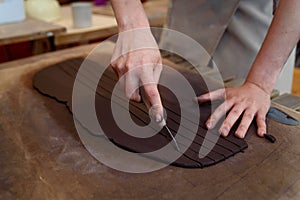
(162, 123)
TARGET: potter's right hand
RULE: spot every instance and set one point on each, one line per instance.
(136, 57)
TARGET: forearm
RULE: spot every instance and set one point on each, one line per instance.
(282, 37)
(129, 14)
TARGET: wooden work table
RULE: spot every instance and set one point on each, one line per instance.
(42, 158)
(27, 30)
(104, 23)
(156, 11)
(102, 27)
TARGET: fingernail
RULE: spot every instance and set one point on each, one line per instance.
(209, 124)
(138, 98)
(158, 118)
(261, 134)
(238, 134)
(200, 99)
(223, 132)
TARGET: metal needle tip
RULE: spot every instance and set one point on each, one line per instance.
(173, 138)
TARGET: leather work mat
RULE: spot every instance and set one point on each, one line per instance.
(57, 81)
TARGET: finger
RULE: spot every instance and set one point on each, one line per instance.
(157, 71)
(118, 66)
(155, 101)
(261, 124)
(116, 53)
(211, 96)
(132, 86)
(245, 123)
(217, 114)
(230, 120)
(152, 94)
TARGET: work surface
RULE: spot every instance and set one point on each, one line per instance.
(42, 158)
(104, 23)
(29, 29)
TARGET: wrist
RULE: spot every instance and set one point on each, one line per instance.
(266, 88)
(263, 74)
(129, 14)
(129, 24)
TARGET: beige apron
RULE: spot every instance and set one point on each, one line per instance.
(231, 32)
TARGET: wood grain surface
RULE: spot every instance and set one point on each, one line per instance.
(27, 30)
(104, 23)
(156, 11)
(102, 26)
(43, 158)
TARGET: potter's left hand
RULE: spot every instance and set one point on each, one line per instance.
(248, 100)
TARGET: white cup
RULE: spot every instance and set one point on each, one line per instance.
(82, 14)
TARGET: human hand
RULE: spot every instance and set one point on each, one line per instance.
(136, 57)
(248, 100)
